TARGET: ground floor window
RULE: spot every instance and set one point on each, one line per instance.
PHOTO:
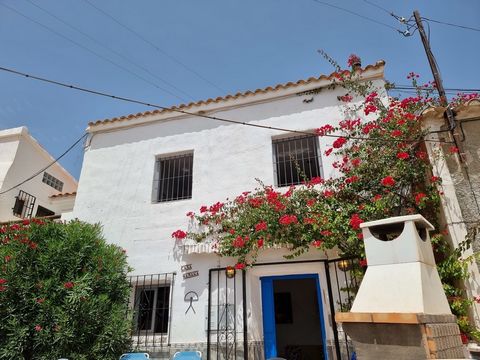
(152, 309)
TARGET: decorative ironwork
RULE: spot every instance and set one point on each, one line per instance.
(173, 178)
(226, 322)
(24, 204)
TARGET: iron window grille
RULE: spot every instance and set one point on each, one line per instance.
(24, 204)
(173, 178)
(296, 159)
(52, 181)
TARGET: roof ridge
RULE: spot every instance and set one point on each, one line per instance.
(232, 97)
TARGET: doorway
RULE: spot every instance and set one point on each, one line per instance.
(293, 323)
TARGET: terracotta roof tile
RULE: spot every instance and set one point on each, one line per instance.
(218, 99)
(63, 195)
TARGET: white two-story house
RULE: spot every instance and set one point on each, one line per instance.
(51, 192)
(143, 172)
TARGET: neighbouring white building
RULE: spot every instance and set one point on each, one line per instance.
(21, 156)
(142, 173)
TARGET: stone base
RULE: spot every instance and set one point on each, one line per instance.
(398, 336)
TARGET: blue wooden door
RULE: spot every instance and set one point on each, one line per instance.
(268, 310)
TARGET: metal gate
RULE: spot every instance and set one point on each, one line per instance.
(343, 280)
(227, 315)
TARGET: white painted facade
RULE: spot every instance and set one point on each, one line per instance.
(20, 157)
(115, 187)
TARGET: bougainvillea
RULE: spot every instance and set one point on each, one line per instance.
(63, 292)
(383, 170)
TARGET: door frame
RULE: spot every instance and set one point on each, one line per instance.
(268, 311)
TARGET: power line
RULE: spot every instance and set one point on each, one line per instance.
(163, 52)
(409, 87)
(173, 109)
(450, 24)
(46, 167)
(90, 51)
(355, 14)
(109, 49)
(379, 7)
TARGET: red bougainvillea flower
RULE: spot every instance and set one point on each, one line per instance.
(328, 152)
(191, 214)
(288, 219)
(317, 243)
(435, 179)
(356, 162)
(203, 209)
(179, 234)
(396, 133)
(339, 142)
(38, 328)
(324, 130)
(311, 202)
(239, 266)
(363, 263)
(453, 150)
(260, 242)
(68, 285)
(316, 180)
(255, 202)
(239, 241)
(355, 221)
(403, 155)
(328, 193)
(345, 98)
(388, 181)
(14, 227)
(370, 108)
(353, 60)
(261, 226)
(352, 179)
(419, 197)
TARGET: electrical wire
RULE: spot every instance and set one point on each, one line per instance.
(450, 24)
(119, 54)
(355, 14)
(379, 7)
(46, 167)
(163, 52)
(446, 89)
(91, 51)
(174, 109)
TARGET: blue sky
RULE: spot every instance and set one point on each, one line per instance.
(199, 49)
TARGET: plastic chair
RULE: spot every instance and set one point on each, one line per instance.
(187, 355)
(134, 356)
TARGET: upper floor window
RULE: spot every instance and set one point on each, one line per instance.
(296, 159)
(173, 178)
(52, 181)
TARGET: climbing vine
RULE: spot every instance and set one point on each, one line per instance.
(383, 170)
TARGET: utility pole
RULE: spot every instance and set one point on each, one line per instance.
(438, 80)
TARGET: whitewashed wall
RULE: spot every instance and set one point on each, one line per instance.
(20, 157)
(116, 185)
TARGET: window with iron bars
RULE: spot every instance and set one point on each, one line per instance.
(173, 178)
(152, 309)
(151, 303)
(296, 159)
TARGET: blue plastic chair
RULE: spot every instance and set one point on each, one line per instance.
(135, 356)
(187, 355)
